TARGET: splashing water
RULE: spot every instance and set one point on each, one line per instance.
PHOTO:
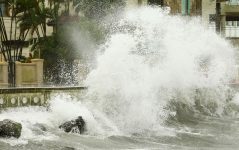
(154, 68)
(153, 58)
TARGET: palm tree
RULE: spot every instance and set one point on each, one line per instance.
(30, 16)
(11, 42)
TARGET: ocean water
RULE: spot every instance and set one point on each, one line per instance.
(160, 82)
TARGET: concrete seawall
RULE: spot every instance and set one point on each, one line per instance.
(33, 96)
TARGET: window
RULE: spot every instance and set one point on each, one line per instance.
(212, 18)
(232, 18)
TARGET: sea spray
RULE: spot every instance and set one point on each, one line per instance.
(152, 68)
(152, 61)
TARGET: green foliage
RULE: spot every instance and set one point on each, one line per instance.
(61, 50)
(31, 15)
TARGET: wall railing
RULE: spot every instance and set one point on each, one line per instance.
(231, 31)
(227, 31)
(35, 96)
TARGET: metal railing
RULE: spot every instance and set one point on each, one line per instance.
(231, 31)
(228, 31)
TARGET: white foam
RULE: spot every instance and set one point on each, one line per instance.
(149, 59)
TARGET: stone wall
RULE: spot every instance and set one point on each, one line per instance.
(35, 96)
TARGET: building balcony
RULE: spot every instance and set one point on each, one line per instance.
(231, 32)
(232, 7)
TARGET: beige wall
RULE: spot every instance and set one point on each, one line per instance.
(29, 74)
(1, 57)
(208, 7)
(3, 74)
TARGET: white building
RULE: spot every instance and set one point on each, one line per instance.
(229, 18)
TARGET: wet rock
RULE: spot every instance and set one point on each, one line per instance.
(9, 128)
(75, 126)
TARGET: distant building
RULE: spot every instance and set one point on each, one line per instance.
(229, 18)
(229, 13)
(184, 7)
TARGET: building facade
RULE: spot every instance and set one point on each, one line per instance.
(228, 18)
(184, 7)
(221, 14)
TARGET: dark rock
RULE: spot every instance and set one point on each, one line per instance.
(76, 126)
(9, 128)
